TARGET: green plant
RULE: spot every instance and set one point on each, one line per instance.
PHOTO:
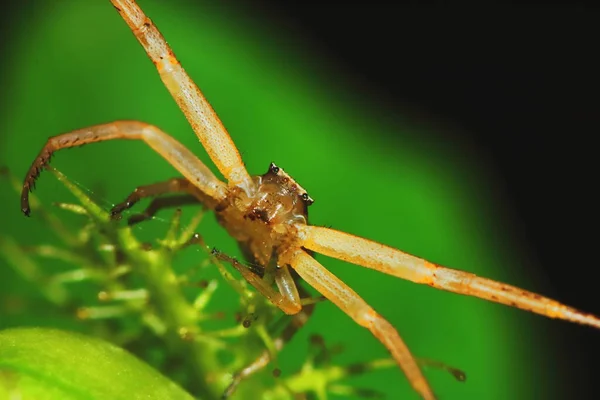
(444, 206)
(146, 303)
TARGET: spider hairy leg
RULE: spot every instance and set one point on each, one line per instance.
(170, 149)
(394, 262)
(201, 116)
(352, 304)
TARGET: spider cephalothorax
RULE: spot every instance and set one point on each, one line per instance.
(263, 222)
(279, 198)
(267, 215)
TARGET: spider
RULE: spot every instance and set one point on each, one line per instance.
(268, 214)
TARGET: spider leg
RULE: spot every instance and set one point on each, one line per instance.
(197, 110)
(287, 299)
(174, 185)
(394, 262)
(352, 304)
(174, 152)
(161, 203)
(294, 324)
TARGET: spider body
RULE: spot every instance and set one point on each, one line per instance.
(263, 222)
(267, 215)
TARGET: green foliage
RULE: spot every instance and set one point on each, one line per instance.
(74, 63)
(142, 305)
(38, 363)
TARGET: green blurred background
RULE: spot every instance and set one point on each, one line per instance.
(375, 167)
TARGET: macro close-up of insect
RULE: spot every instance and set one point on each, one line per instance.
(267, 215)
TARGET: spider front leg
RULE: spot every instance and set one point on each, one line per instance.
(352, 304)
(394, 262)
(203, 119)
(174, 152)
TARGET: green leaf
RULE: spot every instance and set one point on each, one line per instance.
(40, 363)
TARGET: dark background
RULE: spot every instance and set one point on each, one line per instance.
(519, 85)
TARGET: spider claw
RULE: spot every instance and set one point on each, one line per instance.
(116, 210)
(119, 208)
(25, 203)
(460, 376)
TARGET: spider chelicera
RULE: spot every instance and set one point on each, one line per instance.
(268, 214)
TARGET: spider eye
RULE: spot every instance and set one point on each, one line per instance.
(273, 168)
(307, 199)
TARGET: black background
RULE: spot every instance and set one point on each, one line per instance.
(521, 83)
